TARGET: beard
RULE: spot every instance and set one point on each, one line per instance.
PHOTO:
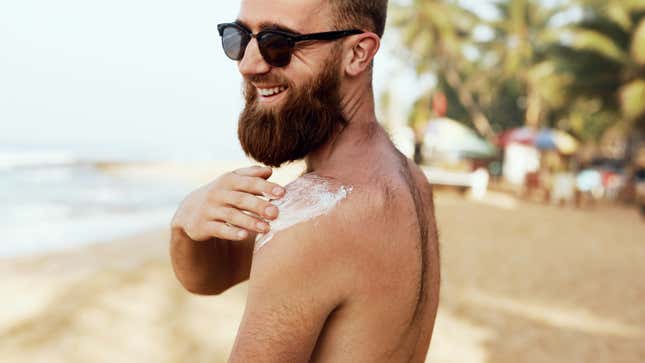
(309, 117)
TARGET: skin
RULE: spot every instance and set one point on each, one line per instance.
(359, 284)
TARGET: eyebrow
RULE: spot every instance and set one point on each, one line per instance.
(268, 25)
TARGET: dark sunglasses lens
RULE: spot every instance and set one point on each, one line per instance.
(234, 42)
(276, 49)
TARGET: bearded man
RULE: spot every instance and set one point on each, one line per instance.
(342, 264)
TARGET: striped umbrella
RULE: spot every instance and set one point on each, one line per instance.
(545, 139)
(520, 135)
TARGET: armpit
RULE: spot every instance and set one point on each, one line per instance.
(307, 197)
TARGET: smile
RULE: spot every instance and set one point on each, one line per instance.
(270, 92)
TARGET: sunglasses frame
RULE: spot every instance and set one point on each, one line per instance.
(291, 38)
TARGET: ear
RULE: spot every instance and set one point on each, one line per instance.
(360, 55)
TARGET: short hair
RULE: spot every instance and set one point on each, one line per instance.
(368, 15)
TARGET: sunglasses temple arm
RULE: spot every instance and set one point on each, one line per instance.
(326, 35)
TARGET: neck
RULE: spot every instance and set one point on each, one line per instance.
(361, 128)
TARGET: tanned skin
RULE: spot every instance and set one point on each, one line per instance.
(359, 284)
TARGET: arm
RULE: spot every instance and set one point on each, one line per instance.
(213, 231)
(296, 281)
(209, 267)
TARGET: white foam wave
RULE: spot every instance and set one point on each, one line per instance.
(15, 159)
(40, 234)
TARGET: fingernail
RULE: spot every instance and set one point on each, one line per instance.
(263, 227)
(241, 234)
(271, 211)
(277, 191)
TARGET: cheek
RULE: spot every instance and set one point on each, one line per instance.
(299, 75)
(306, 63)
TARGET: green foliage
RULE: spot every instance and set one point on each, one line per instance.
(584, 76)
(638, 44)
(631, 97)
(603, 54)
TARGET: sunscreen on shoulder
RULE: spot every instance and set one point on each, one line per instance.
(307, 197)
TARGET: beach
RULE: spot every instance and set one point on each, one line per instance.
(521, 282)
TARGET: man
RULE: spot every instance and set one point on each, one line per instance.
(356, 281)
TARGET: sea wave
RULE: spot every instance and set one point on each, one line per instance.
(53, 199)
(35, 158)
(43, 233)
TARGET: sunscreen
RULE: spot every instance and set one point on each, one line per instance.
(307, 197)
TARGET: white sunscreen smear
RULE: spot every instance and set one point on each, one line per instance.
(306, 198)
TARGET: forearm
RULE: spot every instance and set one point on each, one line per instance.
(214, 229)
(209, 267)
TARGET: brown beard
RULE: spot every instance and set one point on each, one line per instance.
(309, 117)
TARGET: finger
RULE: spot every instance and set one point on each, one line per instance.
(226, 231)
(251, 203)
(256, 186)
(257, 171)
(239, 219)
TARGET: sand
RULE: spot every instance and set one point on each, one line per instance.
(522, 282)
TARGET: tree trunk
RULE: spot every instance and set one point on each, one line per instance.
(465, 97)
(533, 109)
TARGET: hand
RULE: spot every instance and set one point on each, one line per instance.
(229, 208)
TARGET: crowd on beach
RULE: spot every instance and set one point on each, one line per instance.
(546, 165)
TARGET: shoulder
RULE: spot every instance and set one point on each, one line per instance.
(322, 223)
(317, 207)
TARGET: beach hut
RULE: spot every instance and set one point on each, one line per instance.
(447, 139)
(453, 151)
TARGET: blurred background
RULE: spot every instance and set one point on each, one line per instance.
(528, 116)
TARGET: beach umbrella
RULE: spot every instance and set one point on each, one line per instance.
(552, 139)
(520, 135)
(447, 136)
(545, 140)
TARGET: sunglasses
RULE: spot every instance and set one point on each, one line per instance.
(276, 46)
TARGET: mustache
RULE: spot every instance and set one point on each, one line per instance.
(266, 78)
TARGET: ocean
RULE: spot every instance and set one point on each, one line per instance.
(55, 198)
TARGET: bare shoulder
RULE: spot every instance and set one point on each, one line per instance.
(320, 208)
(323, 216)
(330, 222)
(321, 223)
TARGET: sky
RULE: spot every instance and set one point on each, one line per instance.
(131, 75)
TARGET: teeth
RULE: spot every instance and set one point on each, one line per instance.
(271, 91)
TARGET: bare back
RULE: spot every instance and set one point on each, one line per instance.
(390, 317)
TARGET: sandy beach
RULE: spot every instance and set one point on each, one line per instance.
(522, 282)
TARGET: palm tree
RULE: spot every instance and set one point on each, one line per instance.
(520, 48)
(434, 33)
(603, 56)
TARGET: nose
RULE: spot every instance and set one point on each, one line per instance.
(252, 63)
